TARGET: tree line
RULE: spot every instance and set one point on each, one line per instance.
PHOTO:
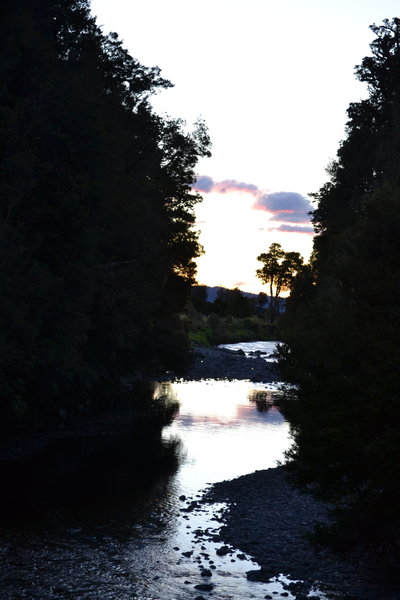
(97, 246)
(227, 302)
(221, 315)
(342, 326)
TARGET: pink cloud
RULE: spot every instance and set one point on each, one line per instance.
(206, 184)
(240, 284)
(285, 207)
(290, 207)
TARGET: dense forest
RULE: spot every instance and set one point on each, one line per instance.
(343, 319)
(97, 247)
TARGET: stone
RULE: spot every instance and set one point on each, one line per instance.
(223, 550)
(206, 573)
(204, 587)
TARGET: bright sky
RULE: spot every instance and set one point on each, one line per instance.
(272, 79)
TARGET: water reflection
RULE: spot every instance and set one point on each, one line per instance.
(95, 460)
(223, 430)
(136, 538)
(264, 399)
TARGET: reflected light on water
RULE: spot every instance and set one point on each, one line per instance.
(225, 433)
(210, 400)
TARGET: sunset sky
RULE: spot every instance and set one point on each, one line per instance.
(272, 80)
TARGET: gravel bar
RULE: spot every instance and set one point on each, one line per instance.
(270, 520)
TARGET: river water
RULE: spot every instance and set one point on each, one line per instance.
(158, 542)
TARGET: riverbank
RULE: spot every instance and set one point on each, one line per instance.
(116, 519)
(214, 362)
(270, 520)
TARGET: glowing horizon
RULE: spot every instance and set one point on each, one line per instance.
(246, 220)
(272, 81)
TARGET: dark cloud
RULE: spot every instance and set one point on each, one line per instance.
(289, 207)
(206, 184)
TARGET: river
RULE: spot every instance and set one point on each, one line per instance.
(158, 541)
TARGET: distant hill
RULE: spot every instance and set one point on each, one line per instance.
(213, 291)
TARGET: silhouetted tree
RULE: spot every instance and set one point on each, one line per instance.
(199, 299)
(262, 300)
(97, 244)
(343, 321)
(238, 305)
(278, 271)
(220, 306)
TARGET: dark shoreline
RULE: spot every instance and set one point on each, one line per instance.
(213, 362)
(270, 519)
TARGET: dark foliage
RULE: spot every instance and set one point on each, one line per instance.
(227, 302)
(343, 319)
(232, 303)
(96, 211)
(278, 272)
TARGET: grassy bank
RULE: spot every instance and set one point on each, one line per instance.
(210, 330)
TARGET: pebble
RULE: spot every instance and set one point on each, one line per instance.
(206, 573)
(223, 550)
(204, 587)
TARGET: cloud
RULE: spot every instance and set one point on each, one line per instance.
(206, 184)
(239, 284)
(286, 207)
(294, 229)
(289, 207)
(231, 185)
